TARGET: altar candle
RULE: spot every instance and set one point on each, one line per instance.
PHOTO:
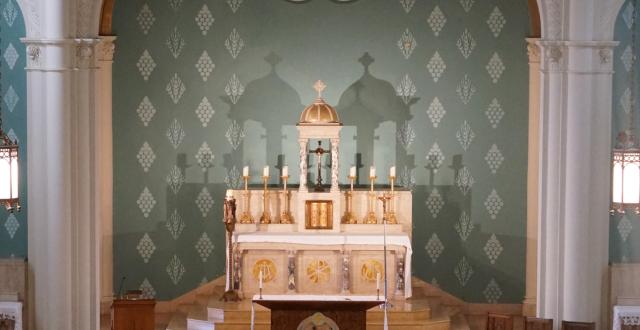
(285, 170)
(260, 280)
(372, 172)
(377, 281)
(245, 171)
(352, 172)
(392, 172)
(265, 171)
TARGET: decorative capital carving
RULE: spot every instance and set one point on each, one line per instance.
(553, 54)
(33, 53)
(106, 49)
(533, 51)
(606, 54)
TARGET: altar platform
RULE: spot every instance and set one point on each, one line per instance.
(425, 310)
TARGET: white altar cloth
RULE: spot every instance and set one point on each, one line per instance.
(398, 239)
(629, 315)
(13, 309)
(312, 297)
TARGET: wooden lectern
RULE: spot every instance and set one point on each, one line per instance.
(292, 312)
(133, 314)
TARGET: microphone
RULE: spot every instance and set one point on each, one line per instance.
(120, 288)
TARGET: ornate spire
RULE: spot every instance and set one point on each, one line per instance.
(319, 86)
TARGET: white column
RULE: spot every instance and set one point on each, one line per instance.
(104, 168)
(335, 166)
(574, 179)
(533, 162)
(303, 143)
(64, 233)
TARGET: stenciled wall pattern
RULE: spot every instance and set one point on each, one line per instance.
(624, 233)
(438, 88)
(13, 230)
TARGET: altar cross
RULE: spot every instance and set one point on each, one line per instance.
(319, 152)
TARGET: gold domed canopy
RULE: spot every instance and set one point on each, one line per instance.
(319, 113)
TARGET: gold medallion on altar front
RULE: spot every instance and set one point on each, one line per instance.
(370, 270)
(268, 269)
(318, 271)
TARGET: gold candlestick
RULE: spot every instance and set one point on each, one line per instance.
(391, 215)
(348, 216)
(266, 215)
(370, 218)
(286, 217)
(246, 217)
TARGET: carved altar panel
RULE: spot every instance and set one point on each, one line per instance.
(273, 263)
(365, 265)
(319, 272)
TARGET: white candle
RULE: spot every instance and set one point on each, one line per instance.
(377, 281)
(260, 279)
(352, 172)
(245, 171)
(229, 193)
(372, 172)
(392, 172)
(265, 171)
(285, 170)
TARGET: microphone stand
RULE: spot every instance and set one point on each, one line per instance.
(385, 198)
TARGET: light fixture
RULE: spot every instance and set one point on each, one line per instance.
(625, 179)
(8, 169)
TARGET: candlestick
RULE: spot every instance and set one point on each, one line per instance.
(392, 171)
(348, 216)
(372, 171)
(285, 171)
(266, 215)
(378, 281)
(286, 217)
(370, 218)
(391, 215)
(260, 279)
(245, 171)
(246, 217)
(352, 171)
(265, 171)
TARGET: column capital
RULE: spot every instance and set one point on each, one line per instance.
(106, 48)
(577, 56)
(60, 54)
(533, 50)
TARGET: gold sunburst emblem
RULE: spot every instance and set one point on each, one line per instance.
(268, 269)
(318, 271)
(370, 269)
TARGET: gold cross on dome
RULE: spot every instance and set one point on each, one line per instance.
(319, 86)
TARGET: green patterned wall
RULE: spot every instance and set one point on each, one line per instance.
(13, 227)
(624, 233)
(439, 88)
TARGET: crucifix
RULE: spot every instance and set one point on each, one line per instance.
(319, 152)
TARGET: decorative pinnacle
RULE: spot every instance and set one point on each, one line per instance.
(319, 86)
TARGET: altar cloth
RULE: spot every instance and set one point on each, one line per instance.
(398, 239)
(627, 315)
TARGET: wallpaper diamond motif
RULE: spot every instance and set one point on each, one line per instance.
(495, 67)
(145, 65)
(493, 249)
(205, 111)
(495, 113)
(204, 202)
(465, 135)
(175, 269)
(12, 225)
(148, 292)
(624, 228)
(11, 56)
(464, 226)
(234, 5)
(436, 66)
(494, 158)
(626, 58)
(492, 292)
(205, 65)
(436, 112)
(146, 156)
(467, 5)
(146, 19)
(11, 98)
(435, 203)
(146, 247)
(407, 5)
(175, 88)
(10, 13)
(407, 43)
(496, 22)
(175, 42)
(205, 157)
(146, 202)
(204, 247)
(146, 111)
(494, 204)
(175, 179)
(465, 181)
(175, 133)
(463, 271)
(435, 157)
(175, 224)
(627, 15)
(406, 89)
(437, 20)
(204, 19)
(234, 43)
(434, 248)
(466, 44)
(234, 89)
(466, 89)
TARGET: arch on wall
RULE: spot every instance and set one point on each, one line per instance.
(106, 18)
